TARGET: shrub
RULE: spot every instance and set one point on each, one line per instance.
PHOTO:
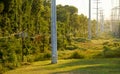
(106, 48)
(111, 53)
(106, 43)
(72, 47)
(42, 56)
(1, 6)
(116, 44)
(97, 55)
(30, 58)
(117, 52)
(1, 69)
(77, 54)
(90, 54)
(39, 57)
(81, 40)
(47, 55)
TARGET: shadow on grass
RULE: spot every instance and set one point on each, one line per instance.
(106, 66)
(93, 66)
(98, 66)
(100, 69)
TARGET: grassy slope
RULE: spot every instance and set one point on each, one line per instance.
(92, 47)
(74, 66)
(93, 66)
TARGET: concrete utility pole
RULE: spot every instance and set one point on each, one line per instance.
(119, 19)
(101, 21)
(53, 32)
(89, 22)
(97, 24)
(119, 11)
(97, 18)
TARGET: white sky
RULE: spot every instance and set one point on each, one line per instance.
(82, 6)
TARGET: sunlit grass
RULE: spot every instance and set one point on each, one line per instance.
(93, 49)
(72, 66)
(76, 66)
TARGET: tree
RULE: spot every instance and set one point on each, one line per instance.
(1, 6)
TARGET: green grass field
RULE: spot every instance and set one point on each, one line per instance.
(75, 66)
(72, 66)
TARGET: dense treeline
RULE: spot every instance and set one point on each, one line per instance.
(71, 25)
(25, 30)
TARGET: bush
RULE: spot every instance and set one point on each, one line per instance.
(92, 54)
(77, 54)
(106, 43)
(111, 53)
(10, 66)
(1, 69)
(42, 56)
(39, 57)
(116, 44)
(1, 6)
(72, 47)
(30, 58)
(106, 48)
(81, 40)
(47, 55)
(117, 51)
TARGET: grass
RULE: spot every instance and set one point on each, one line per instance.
(93, 49)
(93, 44)
(72, 66)
(75, 66)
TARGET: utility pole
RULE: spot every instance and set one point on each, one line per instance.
(119, 20)
(89, 22)
(97, 18)
(97, 24)
(53, 32)
(101, 21)
(119, 11)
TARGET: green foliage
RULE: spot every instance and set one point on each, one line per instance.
(70, 25)
(106, 43)
(77, 55)
(116, 44)
(106, 48)
(19, 16)
(111, 52)
(1, 69)
(71, 47)
(25, 33)
(1, 6)
(47, 55)
(81, 40)
(42, 56)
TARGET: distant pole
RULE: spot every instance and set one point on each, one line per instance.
(97, 19)
(89, 22)
(119, 19)
(119, 11)
(53, 32)
(101, 21)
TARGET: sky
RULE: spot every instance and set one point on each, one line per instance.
(83, 6)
